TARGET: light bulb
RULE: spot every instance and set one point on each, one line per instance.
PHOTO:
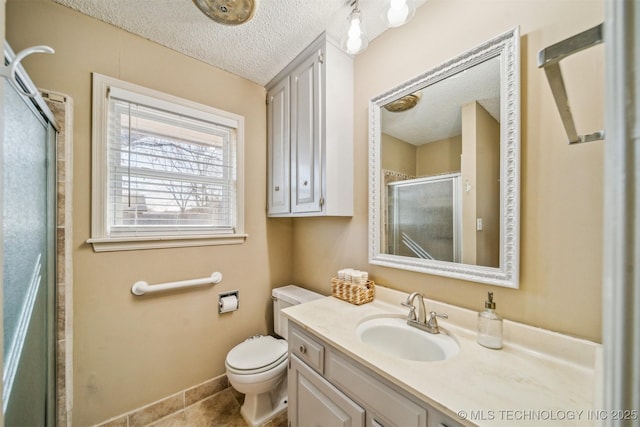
(354, 45)
(355, 30)
(398, 12)
(355, 40)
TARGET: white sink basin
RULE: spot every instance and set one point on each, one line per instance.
(393, 336)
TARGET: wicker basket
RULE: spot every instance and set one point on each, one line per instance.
(351, 292)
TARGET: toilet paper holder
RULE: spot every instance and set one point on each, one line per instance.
(228, 301)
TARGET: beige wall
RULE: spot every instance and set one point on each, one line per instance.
(561, 220)
(439, 157)
(434, 158)
(399, 156)
(481, 186)
(488, 188)
(469, 172)
(130, 351)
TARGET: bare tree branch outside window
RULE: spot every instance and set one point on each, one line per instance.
(164, 180)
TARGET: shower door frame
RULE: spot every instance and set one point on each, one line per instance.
(621, 228)
(41, 111)
(455, 179)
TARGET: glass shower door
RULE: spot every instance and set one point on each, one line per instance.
(424, 218)
(28, 253)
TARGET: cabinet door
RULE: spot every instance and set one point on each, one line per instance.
(385, 406)
(315, 402)
(306, 137)
(278, 148)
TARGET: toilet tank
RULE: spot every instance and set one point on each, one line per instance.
(284, 297)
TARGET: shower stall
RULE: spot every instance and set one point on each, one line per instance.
(424, 218)
(27, 201)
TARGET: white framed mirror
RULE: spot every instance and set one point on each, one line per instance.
(444, 168)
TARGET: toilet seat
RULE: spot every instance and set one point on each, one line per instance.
(256, 354)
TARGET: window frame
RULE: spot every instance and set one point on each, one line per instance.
(101, 240)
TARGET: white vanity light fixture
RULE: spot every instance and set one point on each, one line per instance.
(355, 40)
(398, 12)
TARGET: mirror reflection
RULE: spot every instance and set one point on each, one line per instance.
(440, 165)
(444, 156)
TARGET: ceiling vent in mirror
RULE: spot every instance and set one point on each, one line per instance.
(228, 12)
(405, 103)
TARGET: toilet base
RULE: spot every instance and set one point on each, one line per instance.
(258, 409)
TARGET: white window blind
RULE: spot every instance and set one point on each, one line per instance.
(167, 171)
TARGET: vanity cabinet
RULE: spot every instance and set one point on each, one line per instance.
(310, 134)
(327, 388)
(317, 402)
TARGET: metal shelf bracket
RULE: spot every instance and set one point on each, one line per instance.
(549, 59)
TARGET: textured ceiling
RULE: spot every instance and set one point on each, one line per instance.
(256, 50)
(279, 31)
(438, 114)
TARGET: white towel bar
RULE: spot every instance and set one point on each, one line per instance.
(141, 287)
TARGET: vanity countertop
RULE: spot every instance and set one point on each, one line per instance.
(538, 378)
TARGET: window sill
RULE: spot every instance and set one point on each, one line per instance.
(160, 242)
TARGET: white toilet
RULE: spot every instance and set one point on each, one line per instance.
(257, 367)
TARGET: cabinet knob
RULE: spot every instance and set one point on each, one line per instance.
(305, 183)
(302, 349)
(277, 188)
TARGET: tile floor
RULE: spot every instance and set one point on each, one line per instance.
(219, 410)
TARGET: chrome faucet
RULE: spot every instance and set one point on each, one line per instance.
(424, 321)
(421, 318)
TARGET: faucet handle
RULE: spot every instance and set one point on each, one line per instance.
(432, 321)
(412, 310)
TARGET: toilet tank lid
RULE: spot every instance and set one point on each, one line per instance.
(295, 294)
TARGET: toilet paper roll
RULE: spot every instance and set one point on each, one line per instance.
(228, 303)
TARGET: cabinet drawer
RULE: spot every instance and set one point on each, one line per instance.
(437, 419)
(307, 349)
(384, 405)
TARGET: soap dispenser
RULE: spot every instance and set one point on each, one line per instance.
(490, 325)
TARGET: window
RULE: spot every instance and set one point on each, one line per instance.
(166, 171)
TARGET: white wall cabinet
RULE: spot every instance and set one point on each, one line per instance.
(279, 143)
(328, 388)
(310, 134)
